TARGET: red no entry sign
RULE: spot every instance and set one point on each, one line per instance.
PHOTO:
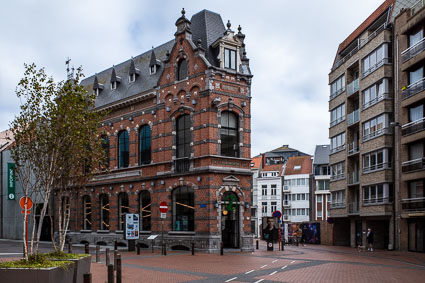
(163, 207)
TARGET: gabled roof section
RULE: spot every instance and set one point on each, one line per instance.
(114, 77)
(273, 167)
(153, 60)
(208, 26)
(133, 69)
(298, 165)
(256, 162)
(321, 154)
(286, 148)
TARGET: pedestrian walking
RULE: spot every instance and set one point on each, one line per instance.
(369, 238)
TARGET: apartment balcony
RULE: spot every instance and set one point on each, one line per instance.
(413, 50)
(376, 167)
(338, 177)
(376, 133)
(413, 127)
(353, 118)
(337, 121)
(336, 93)
(413, 89)
(413, 204)
(413, 165)
(286, 189)
(377, 99)
(353, 87)
(353, 178)
(416, 7)
(286, 203)
(353, 148)
(337, 149)
(354, 208)
(337, 204)
(377, 200)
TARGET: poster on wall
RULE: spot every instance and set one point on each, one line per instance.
(131, 226)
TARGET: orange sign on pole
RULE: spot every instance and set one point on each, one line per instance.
(26, 211)
(22, 202)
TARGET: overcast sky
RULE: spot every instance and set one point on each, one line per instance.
(291, 46)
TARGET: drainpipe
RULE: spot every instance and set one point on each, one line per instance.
(397, 153)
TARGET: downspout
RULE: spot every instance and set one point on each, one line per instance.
(397, 153)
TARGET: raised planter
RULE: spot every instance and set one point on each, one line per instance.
(81, 266)
(42, 275)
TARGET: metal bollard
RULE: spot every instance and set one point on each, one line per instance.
(87, 248)
(108, 260)
(193, 248)
(70, 247)
(87, 278)
(257, 244)
(221, 248)
(110, 273)
(152, 245)
(165, 248)
(116, 245)
(119, 273)
(97, 253)
(115, 259)
(138, 248)
(283, 245)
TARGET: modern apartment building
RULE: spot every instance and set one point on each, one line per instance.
(409, 47)
(361, 151)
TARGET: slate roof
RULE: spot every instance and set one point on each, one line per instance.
(321, 154)
(303, 161)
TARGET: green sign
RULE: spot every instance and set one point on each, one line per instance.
(11, 181)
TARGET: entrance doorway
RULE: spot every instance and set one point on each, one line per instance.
(230, 220)
(416, 236)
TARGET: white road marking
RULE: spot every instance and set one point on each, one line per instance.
(259, 281)
(273, 273)
(274, 260)
(248, 272)
(284, 267)
(263, 266)
(292, 261)
(231, 279)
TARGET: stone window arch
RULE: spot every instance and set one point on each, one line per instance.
(145, 210)
(183, 209)
(123, 208)
(145, 145)
(123, 149)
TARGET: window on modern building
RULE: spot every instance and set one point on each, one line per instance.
(322, 185)
(264, 207)
(416, 150)
(306, 211)
(337, 114)
(375, 126)
(274, 206)
(337, 143)
(184, 209)
(319, 213)
(416, 189)
(105, 147)
(184, 138)
(416, 113)
(380, 193)
(337, 86)
(145, 210)
(87, 222)
(319, 198)
(293, 197)
(294, 212)
(416, 75)
(375, 59)
(145, 145)
(123, 208)
(338, 199)
(123, 149)
(104, 211)
(229, 134)
(338, 171)
(264, 190)
(380, 159)
(298, 196)
(375, 93)
(274, 190)
(302, 196)
(229, 58)
(182, 70)
(414, 38)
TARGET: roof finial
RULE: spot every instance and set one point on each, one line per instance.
(239, 28)
(228, 24)
(183, 12)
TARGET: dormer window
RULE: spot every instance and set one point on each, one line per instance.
(96, 92)
(132, 78)
(229, 58)
(97, 87)
(113, 85)
(115, 80)
(152, 69)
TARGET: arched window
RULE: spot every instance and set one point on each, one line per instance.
(123, 149)
(145, 210)
(182, 70)
(123, 208)
(87, 213)
(229, 134)
(145, 145)
(105, 147)
(104, 211)
(183, 209)
(184, 139)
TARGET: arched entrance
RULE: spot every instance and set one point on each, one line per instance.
(230, 220)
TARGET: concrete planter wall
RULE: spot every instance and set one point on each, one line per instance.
(81, 266)
(43, 275)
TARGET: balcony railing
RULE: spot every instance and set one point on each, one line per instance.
(337, 121)
(353, 117)
(417, 6)
(413, 89)
(413, 165)
(376, 100)
(353, 178)
(182, 165)
(336, 149)
(338, 177)
(377, 200)
(413, 127)
(413, 50)
(376, 66)
(353, 148)
(337, 204)
(353, 207)
(375, 167)
(376, 133)
(413, 204)
(286, 203)
(336, 93)
(353, 87)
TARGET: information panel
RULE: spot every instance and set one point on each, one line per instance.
(10, 181)
(131, 226)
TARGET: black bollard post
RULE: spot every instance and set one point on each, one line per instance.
(97, 253)
(119, 274)
(115, 259)
(152, 245)
(110, 273)
(116, 245)
(107, 258)
(193, 248)
(221, 248)
(87, 278)
(257, 244)
(87, 248)
(138, 248)
(165, 248)
(70, 247)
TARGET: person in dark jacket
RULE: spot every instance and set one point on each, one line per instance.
(369, 238)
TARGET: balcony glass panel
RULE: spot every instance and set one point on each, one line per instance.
(353, 87)
(413, 127)
(413, 89)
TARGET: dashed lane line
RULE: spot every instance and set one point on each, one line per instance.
(273, 273)
(263, 266)
(292, 261)
(231, 279)
(284, 267)
(274, 261)
(259, 281)
(248, 272)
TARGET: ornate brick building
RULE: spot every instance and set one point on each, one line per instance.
(178, 130)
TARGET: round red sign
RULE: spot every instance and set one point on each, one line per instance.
(163, 207)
